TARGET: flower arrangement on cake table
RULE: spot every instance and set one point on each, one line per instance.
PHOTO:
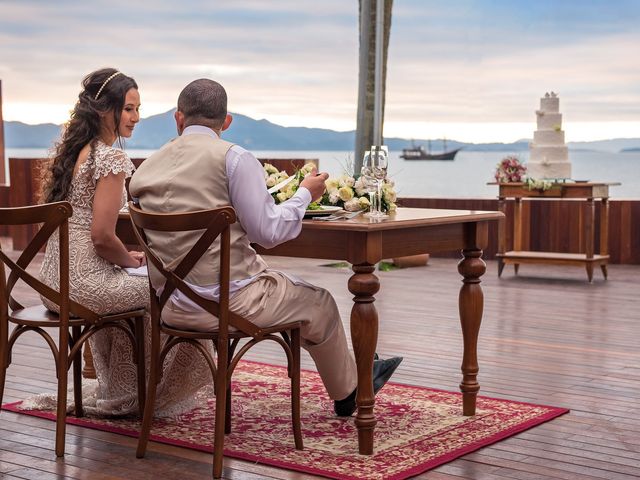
(511, 170)
(346, 191)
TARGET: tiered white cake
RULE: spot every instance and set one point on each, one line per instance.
(549, 156)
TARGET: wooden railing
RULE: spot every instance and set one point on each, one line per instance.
(549, 225)
(554, 225)
(26, 177)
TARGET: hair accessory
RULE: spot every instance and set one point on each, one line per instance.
(105, 84)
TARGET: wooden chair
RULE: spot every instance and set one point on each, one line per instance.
(216, 224)
(75, 323)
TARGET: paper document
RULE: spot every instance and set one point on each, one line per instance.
(137, 272)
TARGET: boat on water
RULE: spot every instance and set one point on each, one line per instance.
(418, 152)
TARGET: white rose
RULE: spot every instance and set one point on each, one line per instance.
(345, 193)
(364, 203)
(331, 184)
(345, 181)
(352, 205)
(271, 181)
(270, 169)
(334, 197)
(360, 186)
(307, 168)
(281, 196)
(389, 194)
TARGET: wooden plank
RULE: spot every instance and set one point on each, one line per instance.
(546, 337)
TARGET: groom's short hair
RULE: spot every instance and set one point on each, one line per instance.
(203, 101)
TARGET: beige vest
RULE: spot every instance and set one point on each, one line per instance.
(190, 174)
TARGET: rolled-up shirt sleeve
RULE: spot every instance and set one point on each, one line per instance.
(266, 223)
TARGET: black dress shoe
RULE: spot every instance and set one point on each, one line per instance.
(382, 371)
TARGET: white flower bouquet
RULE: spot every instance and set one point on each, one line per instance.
(350, 193)
(272, 177)
(346, 191)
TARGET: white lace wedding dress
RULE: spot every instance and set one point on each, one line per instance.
(106, 288)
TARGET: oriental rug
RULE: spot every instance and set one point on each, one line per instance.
(418, 428)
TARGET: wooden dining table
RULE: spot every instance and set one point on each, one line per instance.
(363, 242)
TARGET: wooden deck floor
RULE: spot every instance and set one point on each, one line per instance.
(547, 337)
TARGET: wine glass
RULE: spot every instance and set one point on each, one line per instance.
(370, 184)
(374, 168)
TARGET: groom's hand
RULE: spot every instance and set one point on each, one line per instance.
(314, 182)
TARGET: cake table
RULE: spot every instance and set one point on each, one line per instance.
(588, 191)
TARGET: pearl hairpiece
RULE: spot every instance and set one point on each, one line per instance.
(105, 84)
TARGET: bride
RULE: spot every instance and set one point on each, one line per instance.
(90, 173)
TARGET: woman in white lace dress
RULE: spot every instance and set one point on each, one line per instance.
(89, 173)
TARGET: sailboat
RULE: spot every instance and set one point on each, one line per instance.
(417, 152)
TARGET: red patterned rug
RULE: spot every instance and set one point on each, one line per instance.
(418, 428)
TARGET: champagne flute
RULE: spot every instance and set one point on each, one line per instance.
(374, 171)
(369, 183)
(379, 164)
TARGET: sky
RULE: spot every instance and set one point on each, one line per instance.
(469, 70)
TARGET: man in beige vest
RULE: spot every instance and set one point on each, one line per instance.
(199, 170)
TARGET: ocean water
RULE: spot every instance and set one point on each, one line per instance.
(465, 177)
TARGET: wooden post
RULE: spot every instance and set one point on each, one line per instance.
(3, 159)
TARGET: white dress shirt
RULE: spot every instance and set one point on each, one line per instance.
(266, 223)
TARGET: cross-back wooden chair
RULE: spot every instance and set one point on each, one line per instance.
(232, 327)
(75, 323)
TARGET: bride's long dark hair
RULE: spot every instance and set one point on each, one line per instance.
(84, 125)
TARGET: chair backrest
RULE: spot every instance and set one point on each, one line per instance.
(215, 223)
(49, 218)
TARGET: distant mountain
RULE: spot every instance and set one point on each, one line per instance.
(612, 145)
(154, 131)
(21, 135)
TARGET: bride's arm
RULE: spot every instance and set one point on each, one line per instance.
(106, 205)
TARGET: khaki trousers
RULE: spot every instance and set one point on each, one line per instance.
(273, 299)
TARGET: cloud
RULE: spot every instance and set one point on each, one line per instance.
(456, 61)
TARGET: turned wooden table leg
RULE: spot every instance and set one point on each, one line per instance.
(604, 233)
(88, 370)
(471, 304)
(364, 336)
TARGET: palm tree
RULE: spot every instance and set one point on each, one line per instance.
(366, 83)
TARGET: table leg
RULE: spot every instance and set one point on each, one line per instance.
(502, 234)
(589, 220)
(517, 230)
(604, 232)
(471, 304)
(364, 336)
(89, 370)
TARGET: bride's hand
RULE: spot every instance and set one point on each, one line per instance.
(139, 257)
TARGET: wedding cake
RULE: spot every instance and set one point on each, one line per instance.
(549, 156)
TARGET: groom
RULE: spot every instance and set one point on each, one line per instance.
(199, 170)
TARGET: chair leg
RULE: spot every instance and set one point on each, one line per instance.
(227, 410)
(4, 354)
(61, 414)
(221, 401)
(140, 363)
(295, 388)
(77, 375)
(150, 399)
